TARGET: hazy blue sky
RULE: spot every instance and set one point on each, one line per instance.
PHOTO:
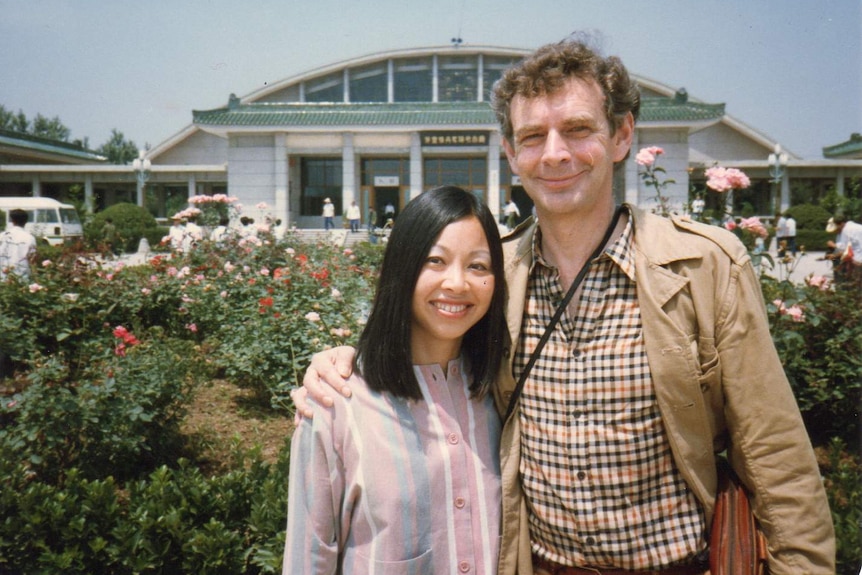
(788, 68)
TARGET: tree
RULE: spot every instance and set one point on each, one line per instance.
(118, 150)
(52, 129)
(14, 122)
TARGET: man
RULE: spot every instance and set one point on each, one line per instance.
(781, 239)
(846, 249)
(328, 214)
(353, 216)
(109, 235)
(512, 214)
(790, 225)
(662, 360)
(176, 233)
(697, 206)
(17, 247)
(193, 233)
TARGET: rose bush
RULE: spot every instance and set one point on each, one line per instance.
(100, 361)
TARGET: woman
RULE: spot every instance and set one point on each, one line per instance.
(403, 477)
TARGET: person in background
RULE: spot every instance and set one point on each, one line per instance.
(846, 249)
(662, 361)
(221, 232)
(697, 206)
(176, 234)
(17, 247)
(109, 236)
(328, 214)
(512, 214)
(790, 224)
(280, 229)
(193, 234)
(247, 229)
(781, 239)
(403, 477)
(353, 216)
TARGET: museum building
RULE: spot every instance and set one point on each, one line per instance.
(383, 128)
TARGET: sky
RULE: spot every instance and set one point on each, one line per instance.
(790, 69)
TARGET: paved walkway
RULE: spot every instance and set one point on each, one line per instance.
(804, 265)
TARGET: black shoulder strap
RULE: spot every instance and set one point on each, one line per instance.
(563, 304)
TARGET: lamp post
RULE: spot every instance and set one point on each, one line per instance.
(777, 164)
(141, 165)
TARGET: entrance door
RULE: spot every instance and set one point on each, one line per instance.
(524, 203)
(383, 197)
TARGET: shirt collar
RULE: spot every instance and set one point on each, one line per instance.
(621, 251)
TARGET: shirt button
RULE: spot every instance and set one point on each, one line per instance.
(591, 540)
(582, 475)
(453, 438)
(460, 502)
(576, 353)
(577, 414)
(464, 567)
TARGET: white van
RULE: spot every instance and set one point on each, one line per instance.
(47, 219)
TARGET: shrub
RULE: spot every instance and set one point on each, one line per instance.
(809, 217)
(120, 416)
(842, 472)
(132, 222)
(818, 335)
(173, 521)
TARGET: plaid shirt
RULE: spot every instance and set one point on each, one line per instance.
(597, 470)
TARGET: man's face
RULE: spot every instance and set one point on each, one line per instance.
(563, 149)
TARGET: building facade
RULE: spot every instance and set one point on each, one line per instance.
(381, 129)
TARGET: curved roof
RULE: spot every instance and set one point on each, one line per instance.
(377, 57)
(284, 104)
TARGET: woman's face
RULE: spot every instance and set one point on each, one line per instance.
(452, 293)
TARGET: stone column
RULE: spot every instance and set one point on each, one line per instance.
(416, 182)
(281, 207)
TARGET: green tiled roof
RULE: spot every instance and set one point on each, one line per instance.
(678, 110)
(26, 142)
(334, 115)
(302, 115)
(850, 148)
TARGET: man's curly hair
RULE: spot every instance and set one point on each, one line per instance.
(547, 69)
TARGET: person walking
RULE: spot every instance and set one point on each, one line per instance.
(512, 214)
(17, 247)
(328, 215)
(353, 216)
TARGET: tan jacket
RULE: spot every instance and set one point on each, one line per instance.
(718, 381)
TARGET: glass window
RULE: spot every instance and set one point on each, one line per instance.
(69, 216)
(321, 178)
(413, 82)
(371, 167)
(492, 70)
(46, 216)
(329, 88)
(463, 172)
(457, 79)
(369, 84)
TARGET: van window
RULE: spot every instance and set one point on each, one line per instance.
(69, 216)
(46, 216)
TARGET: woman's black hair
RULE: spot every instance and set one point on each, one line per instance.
(383, 355)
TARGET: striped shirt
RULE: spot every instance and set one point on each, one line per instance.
(597, 470)
(380, 484)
